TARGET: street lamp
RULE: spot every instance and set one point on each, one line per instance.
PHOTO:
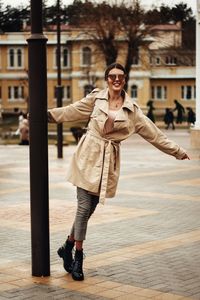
(39, 193)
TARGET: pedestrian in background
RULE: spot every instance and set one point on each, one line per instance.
(20, 119)
(180, 112)
(150, 113)
(24, 132)
(191, 117)
(169, 118)
(95, 165)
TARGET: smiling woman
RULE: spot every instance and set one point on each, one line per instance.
(115, 77)
(95, 166)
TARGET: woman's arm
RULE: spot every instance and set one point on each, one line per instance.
(80, 110)
(151, 133)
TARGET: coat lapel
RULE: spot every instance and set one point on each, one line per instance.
(102, 103)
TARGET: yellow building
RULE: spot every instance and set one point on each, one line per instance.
(159, 72)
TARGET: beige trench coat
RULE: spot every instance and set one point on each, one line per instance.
(95, 165)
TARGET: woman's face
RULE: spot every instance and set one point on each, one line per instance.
(116, 80)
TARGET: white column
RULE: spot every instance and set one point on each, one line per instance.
(197, 124)
(195, 131)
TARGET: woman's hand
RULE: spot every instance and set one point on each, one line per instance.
(185, 157)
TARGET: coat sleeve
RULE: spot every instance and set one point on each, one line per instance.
(151, 133)
(80, 110)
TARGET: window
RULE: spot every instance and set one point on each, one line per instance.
(16, 92)
(55, 92)
(64, 58)
(15, 58)
(153, 92)
(67, 92)
(19, 57)
(157, 59)
(165, 92)
(159, 92)
(134, 91)
(170, 60)
(86, 56)
(87, 89)
(11, 57)
(188, 92)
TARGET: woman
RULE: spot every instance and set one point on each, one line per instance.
(95, 165)
(180, 111)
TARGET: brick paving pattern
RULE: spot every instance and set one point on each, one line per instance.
(143, 244)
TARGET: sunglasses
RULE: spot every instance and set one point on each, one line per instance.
(113, 77)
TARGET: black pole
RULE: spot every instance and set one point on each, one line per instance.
(38, 144)
(59, 87)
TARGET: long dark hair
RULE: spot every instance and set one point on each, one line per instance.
(113, 66)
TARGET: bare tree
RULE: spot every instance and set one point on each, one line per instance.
(136, 32)
(100, 23)
(108, 25)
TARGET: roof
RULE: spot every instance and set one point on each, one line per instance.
(167, 27)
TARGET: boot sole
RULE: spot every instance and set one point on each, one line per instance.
(77, 279)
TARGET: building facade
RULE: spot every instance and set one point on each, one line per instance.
(160, 72)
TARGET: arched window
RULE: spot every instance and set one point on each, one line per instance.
(19, 57)
(157, 60)
(86, 56)
(87, 89)
(134, 91)
(11, 58)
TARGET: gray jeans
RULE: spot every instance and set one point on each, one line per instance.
(85, 207)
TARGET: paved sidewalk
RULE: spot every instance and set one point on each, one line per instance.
(143, 244)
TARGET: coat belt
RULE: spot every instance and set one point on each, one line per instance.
(107, 146)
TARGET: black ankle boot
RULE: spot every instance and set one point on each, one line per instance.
(77, 271)
(65, 252)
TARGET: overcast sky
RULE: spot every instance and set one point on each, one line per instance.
(191, 3)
